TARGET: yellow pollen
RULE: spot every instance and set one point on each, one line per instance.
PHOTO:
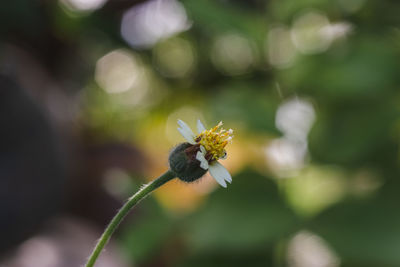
(214, 141)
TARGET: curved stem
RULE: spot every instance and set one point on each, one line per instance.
(142, 193)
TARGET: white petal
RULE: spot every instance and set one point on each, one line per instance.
(224, 172)
(186, 132)
(200, 126)
(184, 126)
(203, 150)
(187, 136)
(219, 173)
(203, 162)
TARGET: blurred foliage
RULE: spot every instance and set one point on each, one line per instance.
(365, 233)
(226, 213)
(343, 57)
(144, 238)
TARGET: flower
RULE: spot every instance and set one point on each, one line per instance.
(209, 146)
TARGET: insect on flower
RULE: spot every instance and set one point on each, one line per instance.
(209, 147)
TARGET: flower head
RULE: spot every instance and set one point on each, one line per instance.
(207, 147)
(214, 141)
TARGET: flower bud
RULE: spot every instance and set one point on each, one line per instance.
(183, 162)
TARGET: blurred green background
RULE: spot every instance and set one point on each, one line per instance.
(90, 92)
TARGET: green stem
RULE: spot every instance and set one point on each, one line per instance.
(142, 193)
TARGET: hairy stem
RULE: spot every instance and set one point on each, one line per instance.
(142, 193)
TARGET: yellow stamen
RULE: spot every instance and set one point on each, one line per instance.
(214, 142)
